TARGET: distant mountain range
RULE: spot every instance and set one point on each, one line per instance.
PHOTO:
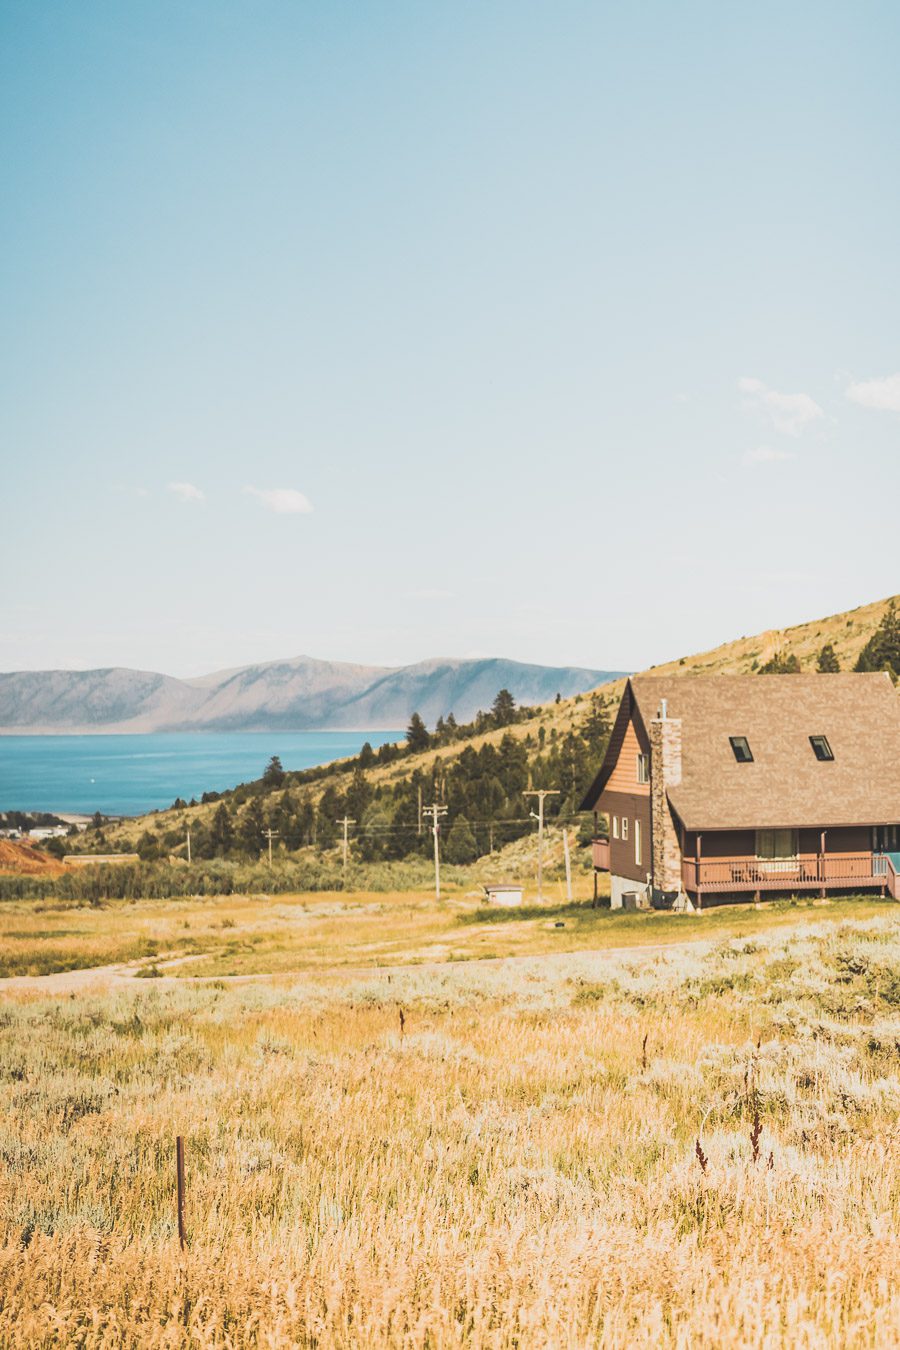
(298, 694)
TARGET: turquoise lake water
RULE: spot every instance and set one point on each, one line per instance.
(126, 775)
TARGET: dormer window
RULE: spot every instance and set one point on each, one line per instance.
(741, 749)
(821, 749)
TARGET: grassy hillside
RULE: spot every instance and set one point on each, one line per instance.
(847, 633)
(559, 746)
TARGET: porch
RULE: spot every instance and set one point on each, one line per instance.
(821, 872)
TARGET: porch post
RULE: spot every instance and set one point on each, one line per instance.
(822, 864)
(699, 852)
(596, 830)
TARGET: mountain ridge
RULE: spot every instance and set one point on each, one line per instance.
(296, 693)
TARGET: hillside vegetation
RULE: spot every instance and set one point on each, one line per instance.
(481, 772)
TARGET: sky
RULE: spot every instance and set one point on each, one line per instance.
(566, 332)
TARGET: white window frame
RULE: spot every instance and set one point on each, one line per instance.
(642, 771)
(625, 828)
(615, 825)
(637, 842)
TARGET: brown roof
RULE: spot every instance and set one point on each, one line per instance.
(785, 785)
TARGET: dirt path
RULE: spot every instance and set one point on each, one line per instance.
(71, 981)
(126, 973)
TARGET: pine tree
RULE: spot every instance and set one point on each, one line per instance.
(359, 794)
(417, 737)
(882, 651)
(780, 664)
(460, 846)
(250, 828)
(366, 756)
(503, 709)
(221, 835)
(273, 777)
(828, 664)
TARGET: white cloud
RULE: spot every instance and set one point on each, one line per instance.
(766, 454)
(789, 413)
(186, 492)
(283, 501)
(884, 395)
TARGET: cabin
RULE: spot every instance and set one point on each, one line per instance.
(737, 786)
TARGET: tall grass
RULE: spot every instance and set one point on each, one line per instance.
(515, 1161)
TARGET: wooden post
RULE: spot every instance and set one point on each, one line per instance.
(699, 851)
(568, 866)
(822, 864)
(179, 1170)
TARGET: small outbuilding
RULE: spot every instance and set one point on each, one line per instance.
(507, 894)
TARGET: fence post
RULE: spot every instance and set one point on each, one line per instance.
(179, 1169)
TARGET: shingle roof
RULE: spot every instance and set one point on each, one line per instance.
(785, 785)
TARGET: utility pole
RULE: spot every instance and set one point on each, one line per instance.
(346, 822)
(189, 842)
(541, 793)
(436, 811)
(270, 834)
(419, 830)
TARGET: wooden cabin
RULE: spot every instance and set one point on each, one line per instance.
(736, 785)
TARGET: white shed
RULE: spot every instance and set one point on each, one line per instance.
(506, 893)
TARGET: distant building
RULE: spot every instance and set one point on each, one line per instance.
(48, 832)
(728, 785)
(506, 894)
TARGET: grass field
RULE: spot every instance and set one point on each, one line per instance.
(675, 1144)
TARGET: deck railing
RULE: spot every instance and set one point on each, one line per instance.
(829, 870)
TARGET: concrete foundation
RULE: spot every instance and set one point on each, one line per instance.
(620, 886)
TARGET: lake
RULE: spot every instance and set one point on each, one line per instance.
(127, 775)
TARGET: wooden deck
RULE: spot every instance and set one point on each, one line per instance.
(808, 872)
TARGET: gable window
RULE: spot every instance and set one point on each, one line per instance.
(637, 842)
(741, 748)
(821, 749)
(615, 827)
(643, 768)
(624, 827)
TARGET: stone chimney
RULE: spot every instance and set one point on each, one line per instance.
(665, 773)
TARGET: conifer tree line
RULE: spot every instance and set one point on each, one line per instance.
(481, 787)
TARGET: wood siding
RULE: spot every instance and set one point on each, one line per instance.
(624, 775)
(633, 806)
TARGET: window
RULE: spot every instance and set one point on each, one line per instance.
(777, 850)
(637, 842)
(624, 827)
(741, 747)
(643, 768)
(821, 749)
(615, 827)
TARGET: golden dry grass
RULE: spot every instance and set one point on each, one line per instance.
(262, 935)
(518, 1167)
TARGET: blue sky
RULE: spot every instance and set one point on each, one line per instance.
(566, 332)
